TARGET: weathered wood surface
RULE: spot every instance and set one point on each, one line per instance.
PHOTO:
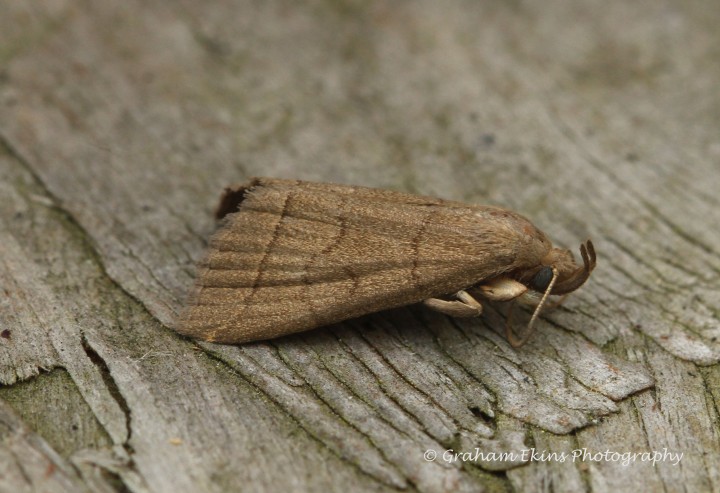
(120, 122)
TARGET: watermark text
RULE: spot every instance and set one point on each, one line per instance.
(577, 455)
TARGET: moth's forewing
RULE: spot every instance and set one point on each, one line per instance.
(299, 255)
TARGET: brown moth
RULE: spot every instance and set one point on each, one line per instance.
(291, 255)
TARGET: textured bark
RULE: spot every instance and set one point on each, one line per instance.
(121, 122)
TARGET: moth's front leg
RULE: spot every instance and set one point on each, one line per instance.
(502, 289)
(464, 307)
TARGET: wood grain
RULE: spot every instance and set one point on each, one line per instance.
(120, 122)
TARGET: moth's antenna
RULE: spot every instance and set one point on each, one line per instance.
(516, 343)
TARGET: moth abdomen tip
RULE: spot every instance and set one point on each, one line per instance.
(232, 197)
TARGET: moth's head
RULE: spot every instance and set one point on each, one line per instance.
(560, 262)
(557, 274)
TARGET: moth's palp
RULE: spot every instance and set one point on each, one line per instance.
(578, 278)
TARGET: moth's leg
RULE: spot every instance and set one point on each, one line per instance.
(502, 289)
(464, 307)
(557, 303)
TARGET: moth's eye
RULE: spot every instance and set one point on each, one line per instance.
(542, 279)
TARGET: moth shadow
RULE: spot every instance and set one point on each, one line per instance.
(411, 326)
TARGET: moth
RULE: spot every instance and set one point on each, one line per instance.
(292, 255)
